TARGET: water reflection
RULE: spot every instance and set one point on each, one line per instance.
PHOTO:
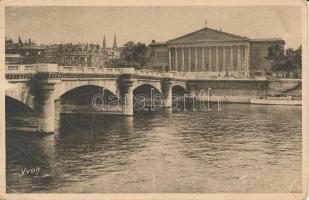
(243, 148)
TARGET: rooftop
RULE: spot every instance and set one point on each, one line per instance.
(207, 34)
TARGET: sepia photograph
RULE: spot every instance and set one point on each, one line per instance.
(130, 99)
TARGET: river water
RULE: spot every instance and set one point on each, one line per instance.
(243, 148)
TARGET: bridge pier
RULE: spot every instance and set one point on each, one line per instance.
(45, 107)
(126, 96)
(167, 92)
(191, 89)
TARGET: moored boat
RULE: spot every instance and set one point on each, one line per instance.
(277, 101)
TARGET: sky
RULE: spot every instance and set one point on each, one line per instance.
(48, 25)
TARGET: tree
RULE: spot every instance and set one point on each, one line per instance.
(134, 54)
(284, 61)
(298, 57)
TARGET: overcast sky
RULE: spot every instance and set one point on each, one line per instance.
(143, 24)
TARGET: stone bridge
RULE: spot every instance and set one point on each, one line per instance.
(39, 86)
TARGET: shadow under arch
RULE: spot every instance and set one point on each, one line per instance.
(146, 90)
(88, 98)
(13, 105)
(84, 94)
(178, 90)
(147, 97)
(19, 117)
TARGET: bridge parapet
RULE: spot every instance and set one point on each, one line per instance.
(55, 69)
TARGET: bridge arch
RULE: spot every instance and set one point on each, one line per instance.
(146, 89)
(180, 84)
(154, 84)
(179, 89)
(21, 93)
(85, 93)
(13, 103)
(65, 87)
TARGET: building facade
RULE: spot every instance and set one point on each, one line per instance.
(212, 52)
(81, 55)
(23, 52)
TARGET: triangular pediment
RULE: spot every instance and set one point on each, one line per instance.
(207, 35)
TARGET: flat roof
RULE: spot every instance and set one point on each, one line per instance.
(267, 40)
(158, 44)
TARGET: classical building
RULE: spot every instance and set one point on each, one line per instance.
(212, 52)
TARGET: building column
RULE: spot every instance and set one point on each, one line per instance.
(189, 64)
(209, 59)
(169, 59)
(224, 68)
(248, 58)
(203, 59)
(182, 60)
(196, 60)
(176, 60)
(167, 92)
(126, 95)
(247, 55)
(217, 58)
(45, 107)
(238, 59)
(231, 60)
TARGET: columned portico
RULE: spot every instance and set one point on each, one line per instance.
(224, 57)
(213, 53)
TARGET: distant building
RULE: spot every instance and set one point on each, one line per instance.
(82, 55)
(111, 53)
(29, 52)
(12, 58)
(215, 52)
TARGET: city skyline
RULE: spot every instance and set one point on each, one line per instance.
(168, 23)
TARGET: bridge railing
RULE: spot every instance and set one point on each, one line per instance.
(153, 73)
(233, 75)
(35, 68)
(73, 69)
(26, 69)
